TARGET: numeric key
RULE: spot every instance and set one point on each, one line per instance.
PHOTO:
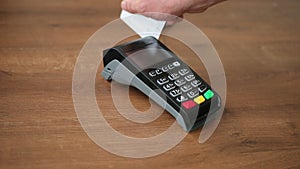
(183, 71)
(196, 83)
(175, 92)
(193, 93)
(162, 80)
(189, 77)
(169, 86)
(180, 82)
(186, 87)
(173, 76)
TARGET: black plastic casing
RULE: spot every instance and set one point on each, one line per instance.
(194, 117)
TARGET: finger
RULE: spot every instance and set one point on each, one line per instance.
(124, 5)
(133, 6)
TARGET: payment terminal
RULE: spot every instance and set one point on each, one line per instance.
(155, 70)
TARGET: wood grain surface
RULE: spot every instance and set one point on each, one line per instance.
(258, 43)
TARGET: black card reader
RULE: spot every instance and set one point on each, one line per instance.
(155, 70)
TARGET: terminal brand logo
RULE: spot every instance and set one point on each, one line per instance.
(90, 115)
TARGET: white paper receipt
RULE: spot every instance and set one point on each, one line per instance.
(142, 25)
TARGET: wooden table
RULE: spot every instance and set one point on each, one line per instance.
(258, 43)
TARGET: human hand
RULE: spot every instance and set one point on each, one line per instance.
(172, 7)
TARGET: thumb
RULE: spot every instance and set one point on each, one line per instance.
(124, 5)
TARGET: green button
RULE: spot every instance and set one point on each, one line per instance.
(209, 94)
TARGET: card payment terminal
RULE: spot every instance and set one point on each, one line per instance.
(155, 70)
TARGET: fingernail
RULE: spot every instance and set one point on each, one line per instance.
(123, 4)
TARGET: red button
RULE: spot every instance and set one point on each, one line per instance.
(189, 104)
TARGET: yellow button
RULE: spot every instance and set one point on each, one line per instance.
(199, 99)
